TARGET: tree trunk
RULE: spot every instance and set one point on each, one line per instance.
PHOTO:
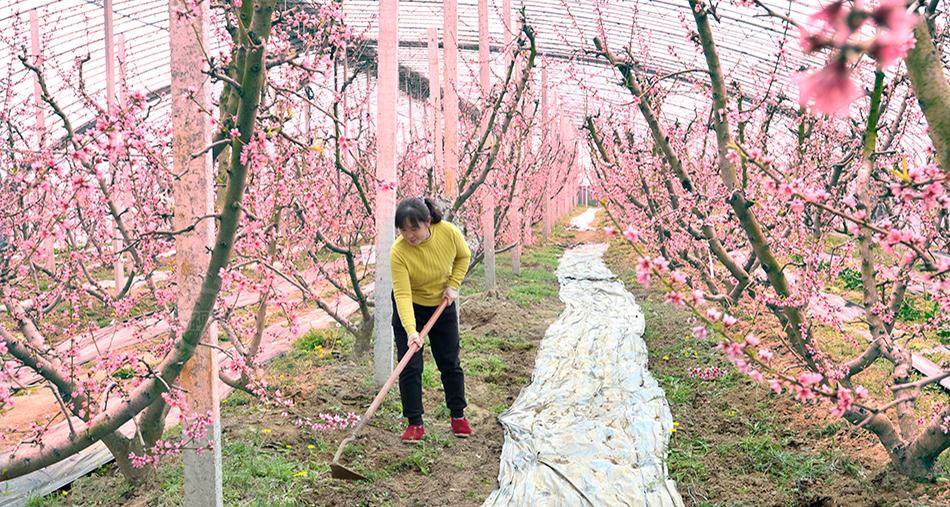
(929, 82)
(364, 338)
(122, 448)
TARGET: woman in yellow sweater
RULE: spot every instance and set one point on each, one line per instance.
(428, 261)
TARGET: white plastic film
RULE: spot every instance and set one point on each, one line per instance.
(592, 427)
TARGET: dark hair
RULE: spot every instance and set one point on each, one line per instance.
(416, 210)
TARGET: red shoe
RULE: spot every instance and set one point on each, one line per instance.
(414, 434)
(460, 427)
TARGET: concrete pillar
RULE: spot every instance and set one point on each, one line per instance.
(435, 100)
(123, 196)
(117, 244)
(547, 205)
(50, 263)
(517, 215)
(387, 86)
(194, 197)
(488, 198)
(451, 53)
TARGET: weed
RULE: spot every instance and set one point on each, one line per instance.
(421, 458)
(484, 366)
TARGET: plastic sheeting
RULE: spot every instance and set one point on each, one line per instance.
(592, 427)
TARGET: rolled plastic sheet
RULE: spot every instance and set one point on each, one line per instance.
(592, 426)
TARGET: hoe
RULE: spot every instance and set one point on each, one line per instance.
(338, 471)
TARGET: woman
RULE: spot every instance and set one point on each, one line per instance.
(428, 261)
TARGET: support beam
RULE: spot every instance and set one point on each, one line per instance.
(488, 198)
(40, 121)
(387, 85)
(451, 55)
(435, 100)
(194, 197)
(109, 40)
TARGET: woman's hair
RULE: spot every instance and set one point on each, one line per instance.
(416, 210)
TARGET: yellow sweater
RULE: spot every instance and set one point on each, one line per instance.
(421, 273)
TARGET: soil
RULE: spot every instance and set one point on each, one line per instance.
(445, 470)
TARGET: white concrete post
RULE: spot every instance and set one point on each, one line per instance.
(546, 203)
(194, 197)
(387, 86)
(450, 45)
(435, 100)
(488, 199)
(109, 41)
(50, 264)
(517, 216)
(123, 197)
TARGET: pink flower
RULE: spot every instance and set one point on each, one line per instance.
(728, 320)
(810, 378)
(713, 314)
(733, 156)
(643, 278)
(798, 206)
(893, 15)
(678, 276)
(700, 332)
(803, 394)
(829, 89)
(631, 234)
(861, 392)
(675, 298)
(698, 297)
(890, 46)
(776, 385)
(765, 354)
(756, 375)
(610, 231)
(751, 340)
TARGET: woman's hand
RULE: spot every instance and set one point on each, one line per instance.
(450, 293)
(414, 338)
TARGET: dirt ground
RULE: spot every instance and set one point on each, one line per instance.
(850, 466)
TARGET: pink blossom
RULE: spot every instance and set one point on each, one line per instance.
(861, 392)
(830, 89)
(728, 320)
(765, 354)
(798, 206)
(698, 297)
(776, 385)
(631, 234)
(678, 276)
(700, 332)
(888, 47)
(713, 314)
(803, 394)
(756, 375)
(751, 340)
(675, 298)
(733, 156)
(810, 378)
(610, 231)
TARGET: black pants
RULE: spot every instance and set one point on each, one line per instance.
(444, 339)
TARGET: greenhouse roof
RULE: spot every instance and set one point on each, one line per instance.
(652, 34)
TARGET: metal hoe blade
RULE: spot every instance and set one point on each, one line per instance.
(343, 473)
(338, 471)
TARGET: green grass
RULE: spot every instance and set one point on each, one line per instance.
(256, 473)
(485, 366)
